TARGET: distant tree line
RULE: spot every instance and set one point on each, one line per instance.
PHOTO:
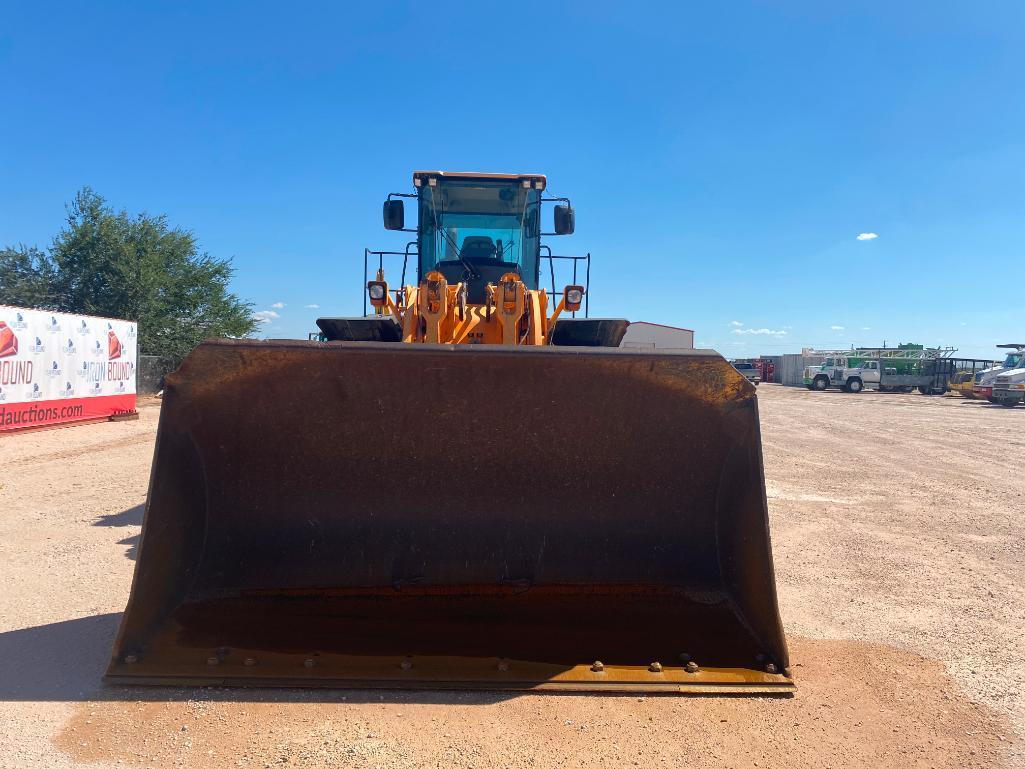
(109, 263)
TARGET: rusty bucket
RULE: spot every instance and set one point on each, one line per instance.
(390, 515)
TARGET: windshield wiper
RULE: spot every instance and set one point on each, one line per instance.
(505, 247)
(459, 255)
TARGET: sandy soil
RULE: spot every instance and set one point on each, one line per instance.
(898, 536)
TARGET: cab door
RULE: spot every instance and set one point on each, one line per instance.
(870, 372)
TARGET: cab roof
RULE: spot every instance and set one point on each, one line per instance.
(531, 179)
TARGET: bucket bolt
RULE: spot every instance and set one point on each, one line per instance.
(309, 662)
(598, 666)
(406, 664)
(131, 659)
(770, 667)
(691, 667)
(655, 667)
(503, 666)
(213, 660)
(249, 661)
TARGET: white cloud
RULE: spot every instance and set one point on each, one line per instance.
(866, 328)
(867, 236)
(964, 324)
(760, 331)
(278, 305)
(313, 307)
(736, 323)
(837, 328)
(265, 316)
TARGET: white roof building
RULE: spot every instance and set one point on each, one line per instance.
(655, 336)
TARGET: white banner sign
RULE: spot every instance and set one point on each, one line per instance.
(56, 367)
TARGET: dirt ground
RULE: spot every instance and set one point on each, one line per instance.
(898, 528)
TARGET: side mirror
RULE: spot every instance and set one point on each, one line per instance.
(394, 215)
(565, 220)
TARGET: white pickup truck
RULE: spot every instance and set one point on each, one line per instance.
(750, 372)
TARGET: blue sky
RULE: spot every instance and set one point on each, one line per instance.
(722, 158)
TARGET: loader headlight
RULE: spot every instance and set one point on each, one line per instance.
(377, 291)
(574, 296)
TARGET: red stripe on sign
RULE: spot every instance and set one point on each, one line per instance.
(21, 416)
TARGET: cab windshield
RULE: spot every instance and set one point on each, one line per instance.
(1013, 360)
(479, 229)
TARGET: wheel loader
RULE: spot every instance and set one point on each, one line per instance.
(472, 486)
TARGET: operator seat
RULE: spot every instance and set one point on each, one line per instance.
(481, 252)
(479, 248)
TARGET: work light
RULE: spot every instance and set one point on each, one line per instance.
(377, 290)
(574, 296)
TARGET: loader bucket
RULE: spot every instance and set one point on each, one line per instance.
(390, 515)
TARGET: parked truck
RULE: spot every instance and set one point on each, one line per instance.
(985, 379)
(886, 369)
(751, 372)
(1008, 385)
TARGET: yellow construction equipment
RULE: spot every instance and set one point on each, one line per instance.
(472, 487)
(962, 381)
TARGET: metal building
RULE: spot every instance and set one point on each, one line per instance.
(791, 369)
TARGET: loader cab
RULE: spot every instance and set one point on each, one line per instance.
(478, 227)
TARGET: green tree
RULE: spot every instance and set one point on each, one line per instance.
(26, 277)
(106, 262)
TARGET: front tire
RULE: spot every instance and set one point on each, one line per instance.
(855, 386)
(820, 383)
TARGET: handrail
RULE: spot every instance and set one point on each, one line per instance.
(575, 259)
(546, 253)
(367, 253)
